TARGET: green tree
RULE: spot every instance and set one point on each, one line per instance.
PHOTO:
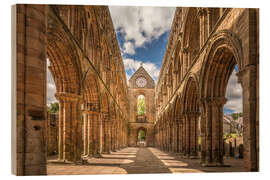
(141, 105)
(141, 135)
(53, 107)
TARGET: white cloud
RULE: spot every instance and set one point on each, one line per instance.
(234, 94)
(51, 89)
(133, 65)
(140, 24)
(129, 48)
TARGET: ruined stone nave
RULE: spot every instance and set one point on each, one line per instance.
(98, 118)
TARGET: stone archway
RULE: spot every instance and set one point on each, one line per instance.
(222, 55)
(142, 137)
(65, 69)
(191, 113)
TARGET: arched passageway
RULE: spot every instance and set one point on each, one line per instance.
(204, 46)
(141, 137)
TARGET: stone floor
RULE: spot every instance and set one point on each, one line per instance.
(139, 161)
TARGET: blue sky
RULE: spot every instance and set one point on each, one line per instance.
(142, 33)
(151, 51)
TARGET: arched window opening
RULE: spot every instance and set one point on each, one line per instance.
(233, 117)
(141, 105)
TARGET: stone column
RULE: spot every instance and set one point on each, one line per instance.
(175, 136)
(30, 89)
(217, 130)
(66, 131)
(96, 133)
(194, 134)
(85, 133)
(187, 134)
(184, 135)
(90, 133)
(214, 131)
(70, 127)
(60, 128)
(203, 131)
(248, 78)
(181, 136)
(78, 147)
(208, 133)
(106, 121)
(170, 136)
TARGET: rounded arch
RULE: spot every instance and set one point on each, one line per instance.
(222, 54)
(191, 94)
(143, 129)
(91, 92)
(64, 61)
(178, 107)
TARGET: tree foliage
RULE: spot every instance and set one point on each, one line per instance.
(235, 116)
(141, 135)
(53, 107)
(141, 105)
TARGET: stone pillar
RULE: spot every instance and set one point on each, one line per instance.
(96, 133)
(217, 130)
(214, 131)
(203, 131)
(175, 136)
(170, 136)
(85, 133)
(187, 134)
(248, 78)
(180, 134)
(60, 127)
(90, 133)
(105, 117)
(30, 89)
(113, 133)
(208, 133)
(78, 146)
(184, 135)
(66, 131)
(70, 127)
(194, 134)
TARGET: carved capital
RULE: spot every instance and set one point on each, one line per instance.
(63, 96)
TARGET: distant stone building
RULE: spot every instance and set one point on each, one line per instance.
(230, 125)
(141, 85)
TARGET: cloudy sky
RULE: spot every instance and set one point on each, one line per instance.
(142, 34)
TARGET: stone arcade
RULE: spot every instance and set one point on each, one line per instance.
(97, 109)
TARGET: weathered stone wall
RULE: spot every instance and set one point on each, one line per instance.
(201, 40)
(31, 89)
(149, 93)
